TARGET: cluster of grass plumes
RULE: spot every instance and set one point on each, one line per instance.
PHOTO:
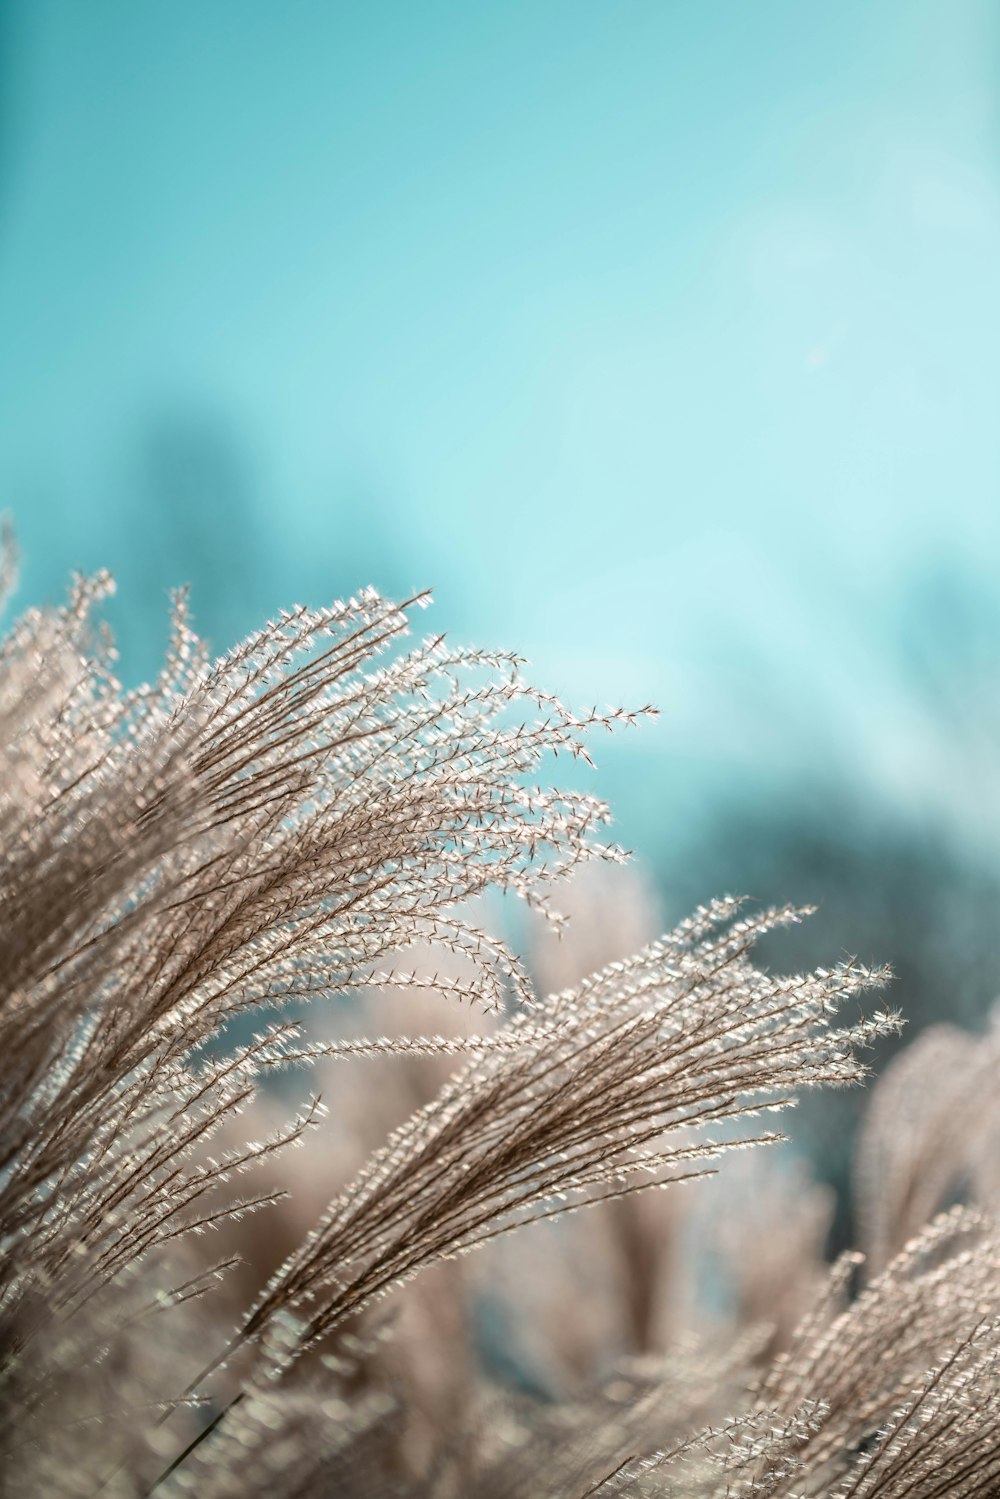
(184, 867)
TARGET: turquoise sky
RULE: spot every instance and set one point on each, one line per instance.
(662, 338)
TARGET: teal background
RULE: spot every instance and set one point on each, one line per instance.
(661, 338)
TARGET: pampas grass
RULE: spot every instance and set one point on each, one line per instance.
(193, 868)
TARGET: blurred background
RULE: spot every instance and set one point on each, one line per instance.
(660, 338)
